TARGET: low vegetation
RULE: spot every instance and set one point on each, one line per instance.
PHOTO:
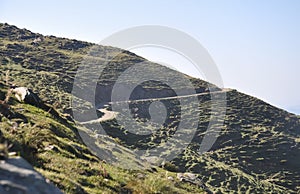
(257, 150)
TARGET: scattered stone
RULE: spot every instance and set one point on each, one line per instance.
(190, 177)
(140, 176)
(193, 179)
(50, 147)
(153, 160)
(170, 178)
(36, 41)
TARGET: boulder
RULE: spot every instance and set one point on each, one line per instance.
(18, 176)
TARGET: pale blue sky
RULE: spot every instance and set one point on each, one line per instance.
(255, 44)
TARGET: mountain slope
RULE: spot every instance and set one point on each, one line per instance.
(52, 145)
(256, 152)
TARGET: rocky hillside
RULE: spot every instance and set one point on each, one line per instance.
(256, 152)
(52, 145)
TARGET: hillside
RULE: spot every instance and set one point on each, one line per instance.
(52, 145)
(257, 150)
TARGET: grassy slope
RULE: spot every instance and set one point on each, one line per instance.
(257, 150)
(50, 67)
(258, 147)
(51, 144)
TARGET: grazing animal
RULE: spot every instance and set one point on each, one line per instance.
(26, 95)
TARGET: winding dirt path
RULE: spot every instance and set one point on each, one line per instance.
(109, 115)
(174, 97)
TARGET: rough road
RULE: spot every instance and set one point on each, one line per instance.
(174, 97)
(109, 115)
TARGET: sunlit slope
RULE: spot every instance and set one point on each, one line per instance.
(258, 146)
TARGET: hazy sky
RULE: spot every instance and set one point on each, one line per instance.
(255, 43)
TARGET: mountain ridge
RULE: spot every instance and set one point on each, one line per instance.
(258, 146)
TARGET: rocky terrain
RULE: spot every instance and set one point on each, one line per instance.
(17, 176)
(257, 150)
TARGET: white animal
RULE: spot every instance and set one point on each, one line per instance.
(20, 93)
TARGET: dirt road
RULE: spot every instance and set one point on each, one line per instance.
(109, 115)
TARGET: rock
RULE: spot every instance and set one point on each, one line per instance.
(51, 147)
(193, 179)
(170, 178)
(36, 41)
(18, 176)
(190, 177)
(153, 160)
(140, 176)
